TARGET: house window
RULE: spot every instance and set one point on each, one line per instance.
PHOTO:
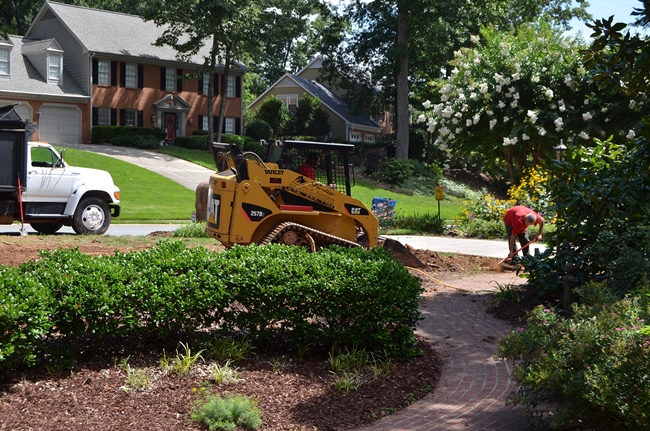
(355, 137)
(230, 90)
(103, 72)
(130, 117)
(130, 75)
(291, 100)
(4, 62)
(206, 84)
(54, 67)
(369, 138)
(204, 124)
(170, 79)
(104, 116)
(229, 125)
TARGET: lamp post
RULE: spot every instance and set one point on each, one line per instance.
(560, 151)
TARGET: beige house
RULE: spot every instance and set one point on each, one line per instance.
(347, 125)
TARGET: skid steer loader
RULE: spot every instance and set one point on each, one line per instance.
(298, 194)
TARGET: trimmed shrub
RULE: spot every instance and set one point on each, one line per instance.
(259, 129)
(107, 134)
(589, 371)
(337, 296)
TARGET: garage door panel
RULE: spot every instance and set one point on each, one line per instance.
(60, 125)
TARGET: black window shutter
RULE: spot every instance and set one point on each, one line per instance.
(215, 85)
(200, 122)
(122, 117)
(113, 73)
(95, 114)
(223, 125)
(200, 91)
(140, 76)
(237, 126)
(224, 86)
(95, 69)
(122, 74)
(215, 119)
(179, 80)
(237, 86)
(140, 118)
(113, 117)
(163, 75)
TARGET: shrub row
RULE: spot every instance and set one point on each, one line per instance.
(120, 135)
(337, 296)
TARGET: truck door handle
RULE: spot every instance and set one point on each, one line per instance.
(32, 172)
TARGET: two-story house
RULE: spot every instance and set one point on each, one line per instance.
(347, 124)
(78, 67)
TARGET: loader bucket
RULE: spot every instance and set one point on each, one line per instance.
(402, 254)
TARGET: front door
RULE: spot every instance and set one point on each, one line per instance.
(170, 125)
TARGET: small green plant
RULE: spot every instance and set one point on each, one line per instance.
(227, 413)
(182, 363)
(346, 382)
(350, 361)
(224, 373)
(280, 366)
(137, 379)
(228, 349)
(506, 293)
(191, 230)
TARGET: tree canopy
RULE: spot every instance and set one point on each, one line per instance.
(516, 95)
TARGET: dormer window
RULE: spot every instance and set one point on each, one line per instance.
(5, 70)
(54, 67)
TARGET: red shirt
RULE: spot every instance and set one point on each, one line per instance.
(515, 217)
(307, 170)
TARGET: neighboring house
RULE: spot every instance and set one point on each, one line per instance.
(78, 67)
(347, 125)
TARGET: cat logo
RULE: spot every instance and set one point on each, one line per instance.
(214, 201)
(355, 210)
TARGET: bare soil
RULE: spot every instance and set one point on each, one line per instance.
(293, 394)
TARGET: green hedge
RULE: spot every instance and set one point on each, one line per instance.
(108, 134)
(337, 296)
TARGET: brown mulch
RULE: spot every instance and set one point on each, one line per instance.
(296, 395)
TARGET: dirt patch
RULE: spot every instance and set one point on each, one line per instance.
(293, 394)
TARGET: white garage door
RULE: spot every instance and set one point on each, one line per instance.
(60, 125)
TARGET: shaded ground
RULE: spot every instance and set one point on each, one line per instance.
(292, 394)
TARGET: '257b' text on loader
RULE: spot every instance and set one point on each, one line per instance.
(298, 194)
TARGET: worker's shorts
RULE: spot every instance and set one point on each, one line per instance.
(523, 240)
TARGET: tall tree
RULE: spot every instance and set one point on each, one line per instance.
(228, 25)
(435, 30)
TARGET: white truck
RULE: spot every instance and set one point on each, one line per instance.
(38, 187)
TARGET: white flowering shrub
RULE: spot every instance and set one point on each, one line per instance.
(515, 96)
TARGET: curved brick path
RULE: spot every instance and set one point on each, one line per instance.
(473, 387)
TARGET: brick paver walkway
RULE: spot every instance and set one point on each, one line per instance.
(473, 387)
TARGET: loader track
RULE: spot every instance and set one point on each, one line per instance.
(290, 233)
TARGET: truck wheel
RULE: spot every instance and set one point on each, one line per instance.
(47, 228)
(92, 217)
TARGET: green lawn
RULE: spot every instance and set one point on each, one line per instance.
(365, 191)
(149, 197)
(145, 195)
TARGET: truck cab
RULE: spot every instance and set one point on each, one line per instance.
(38, 187)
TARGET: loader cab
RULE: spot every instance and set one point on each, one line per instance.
(332, 168)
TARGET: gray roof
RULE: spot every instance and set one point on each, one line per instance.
(25, 79)
(115, 33)
(333, 102)
(38, 46)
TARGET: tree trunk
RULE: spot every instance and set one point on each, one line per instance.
(211, 83)
(403, 115)
(507, 157)
(224, 91)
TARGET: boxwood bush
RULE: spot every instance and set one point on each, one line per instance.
(337, 296)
